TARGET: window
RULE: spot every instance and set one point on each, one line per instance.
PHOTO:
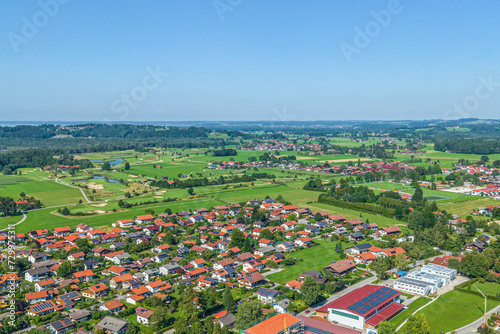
(347, 315)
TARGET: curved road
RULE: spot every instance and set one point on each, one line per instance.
(83, 193)
(19, 222)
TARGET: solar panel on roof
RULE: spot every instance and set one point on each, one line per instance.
(352, 308)
(366, 300)
(374, 302)
(378, 292)
(363, 310)
(359, 304)
(382, 299)
(384, 289)
(392, 292)
(373, 296)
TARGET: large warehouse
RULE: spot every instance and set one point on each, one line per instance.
(363, 308)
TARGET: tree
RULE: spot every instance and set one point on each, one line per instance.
(106, 166)
(400, 262)
(267, 234)
(133, 328)
(237, 239)
(228, 300)
(418, 196)
(65, 211)
(417, 324)
(475, 265)
(310, 291)
(127, 166)
(381, 265)
(65, 269)
(338, 248)
(190, 191)
(247, 313)
(160, 316)
(454, 263)
(416, 220)
(386, 327)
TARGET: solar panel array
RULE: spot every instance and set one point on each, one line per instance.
(43, 306)
(371, 302)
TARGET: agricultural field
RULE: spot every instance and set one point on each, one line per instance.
(311, 260)
(454, 310)
(464, 209)
(48, 192)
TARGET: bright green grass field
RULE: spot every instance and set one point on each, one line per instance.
(454, 310)
(315, 257)
(296, 196)
(418, 303)
(45, 219)
(490, 289)
(48, 192)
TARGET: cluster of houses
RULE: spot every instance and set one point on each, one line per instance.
(109, 267)
(366, 253)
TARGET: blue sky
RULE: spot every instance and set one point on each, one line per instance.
(248, 60)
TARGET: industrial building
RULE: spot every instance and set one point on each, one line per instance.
(426, 281)
(363, 308)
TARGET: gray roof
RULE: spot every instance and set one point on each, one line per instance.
(79, 314)
(111, 324)
(227, 320)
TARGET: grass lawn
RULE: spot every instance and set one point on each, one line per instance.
(296, 196)
(45, 219)
(463, 209)
(315, 257)
(48, 192)
(418, 303)
(4, 221)
(454, 310)
(491, 289)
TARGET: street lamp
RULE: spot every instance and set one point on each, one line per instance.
(485, 301)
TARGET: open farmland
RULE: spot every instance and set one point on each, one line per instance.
(48, 192)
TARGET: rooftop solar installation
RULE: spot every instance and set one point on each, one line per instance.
(359, 304)
(381, 299)
(352, 308)
(384, 289)
(373, 296)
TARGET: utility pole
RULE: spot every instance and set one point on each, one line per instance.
(485, 301)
